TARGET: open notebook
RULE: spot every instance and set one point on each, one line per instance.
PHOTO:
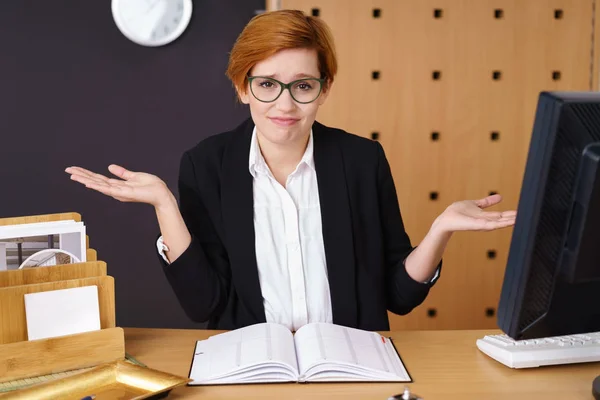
(318, 352)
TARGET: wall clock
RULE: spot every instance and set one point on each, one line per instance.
(152, 22)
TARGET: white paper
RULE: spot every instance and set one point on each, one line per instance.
(31, 238)
(62, 312)
(333, 352)
(3, 263)
(262, 352)
(318, 352)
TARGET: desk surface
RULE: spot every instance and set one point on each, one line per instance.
(443, 364)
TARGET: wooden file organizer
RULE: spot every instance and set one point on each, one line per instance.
(21, 358)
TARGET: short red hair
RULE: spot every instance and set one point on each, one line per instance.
(270, 32)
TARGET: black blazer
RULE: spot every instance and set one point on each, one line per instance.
(216, 278)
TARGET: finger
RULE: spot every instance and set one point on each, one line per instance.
(488, 201)
(88, 174)
(121, 172)
(501, 218)
(72, 169)
(492, 225)
(513, 218)
(505, 222)
(86, 180)
(112, 187)
(495, 215)
(79, 170)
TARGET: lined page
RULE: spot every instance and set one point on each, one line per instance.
(228, 353)
(348, 350)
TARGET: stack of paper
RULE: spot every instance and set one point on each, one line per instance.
(18, 242)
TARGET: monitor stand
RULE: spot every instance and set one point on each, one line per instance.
(596, 388)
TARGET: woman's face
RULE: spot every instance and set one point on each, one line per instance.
(285, 121)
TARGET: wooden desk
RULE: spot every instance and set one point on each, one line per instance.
(444, 365)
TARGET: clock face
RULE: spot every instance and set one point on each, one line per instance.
(152, 22)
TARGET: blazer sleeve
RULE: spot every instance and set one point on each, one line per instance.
(403, 292)
(201, 275)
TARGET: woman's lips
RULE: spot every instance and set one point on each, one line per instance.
(284, 121)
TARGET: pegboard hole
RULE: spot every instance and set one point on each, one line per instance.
(498, 13)
(435, 136)
(436, 75)
(376, 12)
(490, 312)
(556, 75)
(438, 13)
(492, 192)
(433, 195)
(558, 14)
(375, 135)
(375, 75)
(431, 312)
(495, 135)
(496, 75)
(491, 254)
(315, 12)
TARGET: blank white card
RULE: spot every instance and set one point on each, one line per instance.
(62, 312)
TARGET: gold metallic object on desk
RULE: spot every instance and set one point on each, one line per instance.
(117, 380)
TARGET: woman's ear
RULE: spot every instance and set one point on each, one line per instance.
(242, 95)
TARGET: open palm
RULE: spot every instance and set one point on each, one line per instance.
(132, 187)
(469, 215)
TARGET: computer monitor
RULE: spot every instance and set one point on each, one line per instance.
(552, 279)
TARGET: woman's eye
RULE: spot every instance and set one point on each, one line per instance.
(304, 86)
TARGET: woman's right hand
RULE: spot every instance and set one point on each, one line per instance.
(132, 187)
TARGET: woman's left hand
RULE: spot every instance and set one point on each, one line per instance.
(469, 215)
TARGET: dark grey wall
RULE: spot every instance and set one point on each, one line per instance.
(75, 91)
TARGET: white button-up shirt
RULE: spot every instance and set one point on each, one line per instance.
(290, 253)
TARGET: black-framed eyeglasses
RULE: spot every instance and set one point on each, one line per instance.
(303, 91)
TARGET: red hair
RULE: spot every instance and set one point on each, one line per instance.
(270, 32)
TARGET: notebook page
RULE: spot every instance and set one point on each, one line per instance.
(323, 347)
(395, 360)
(239, 352)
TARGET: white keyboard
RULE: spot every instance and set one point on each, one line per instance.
(539, 352)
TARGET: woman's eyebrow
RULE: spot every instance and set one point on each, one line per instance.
(297, 76)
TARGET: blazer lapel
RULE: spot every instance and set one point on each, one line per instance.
(238, 218)
(337, 226)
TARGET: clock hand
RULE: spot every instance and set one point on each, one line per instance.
(151, 4)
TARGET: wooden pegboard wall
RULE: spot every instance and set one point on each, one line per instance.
(449, 88)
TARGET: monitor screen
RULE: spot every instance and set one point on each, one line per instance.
(552, 279)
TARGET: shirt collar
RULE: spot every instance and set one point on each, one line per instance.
(257, 163)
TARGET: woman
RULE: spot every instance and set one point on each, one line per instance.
(283, 219)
